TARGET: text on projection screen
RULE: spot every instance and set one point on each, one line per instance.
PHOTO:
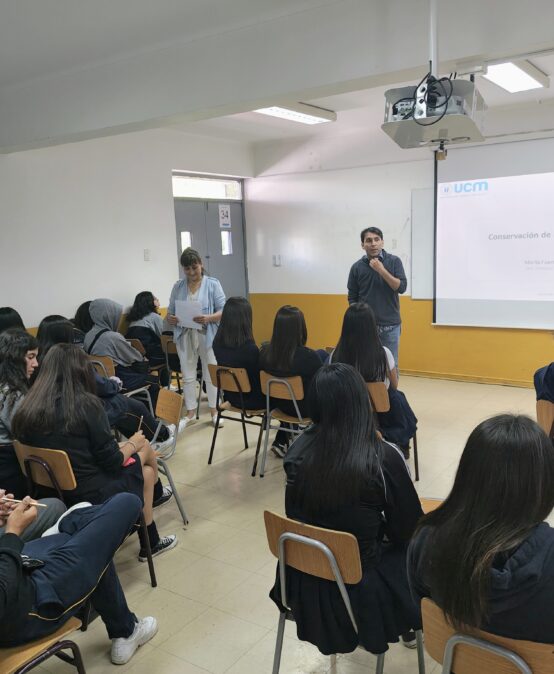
(495, 252)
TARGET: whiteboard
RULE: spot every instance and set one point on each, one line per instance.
(423, 234)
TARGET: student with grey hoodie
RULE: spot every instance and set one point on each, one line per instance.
(103, 339)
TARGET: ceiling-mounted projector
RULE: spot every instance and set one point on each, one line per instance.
(435, 112)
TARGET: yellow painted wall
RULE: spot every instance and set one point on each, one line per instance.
(474, 354)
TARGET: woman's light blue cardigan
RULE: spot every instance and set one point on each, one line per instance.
(210, 296)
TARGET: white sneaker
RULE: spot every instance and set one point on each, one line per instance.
(165, 445)
(124, 649)
(214, 421)
(183, 423)
(55, 528)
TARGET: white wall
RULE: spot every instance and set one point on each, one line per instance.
(313, 221)
(75, 219)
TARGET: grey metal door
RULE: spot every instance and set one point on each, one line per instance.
(218, 237)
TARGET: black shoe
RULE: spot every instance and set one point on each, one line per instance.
(409, 639)
(167, 495)
(279, 450)
(165, 543)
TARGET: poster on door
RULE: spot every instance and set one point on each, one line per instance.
(224, 216)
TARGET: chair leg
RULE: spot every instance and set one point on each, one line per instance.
(214, 437)
(151, 569)
(416, 459)
(56, 649)
(167, 473)
(279, 643)
(259, 444)
(266, 442)
(420, 652)
(244, 432)
(379, 668)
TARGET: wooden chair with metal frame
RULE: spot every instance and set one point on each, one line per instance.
(545, 416)
(324, 553)
(170, 348)
(234, 380)
(105, 367)
(168, 410)
(51, 468)
(24, 658)
(472, 650)
(283, 388)
(380, 402)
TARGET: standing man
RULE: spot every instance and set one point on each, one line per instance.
(377, 279)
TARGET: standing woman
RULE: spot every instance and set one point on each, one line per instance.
(193, 344)
(18, 361)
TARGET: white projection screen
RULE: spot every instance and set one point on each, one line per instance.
(494, 253)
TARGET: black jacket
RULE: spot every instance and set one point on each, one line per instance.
(16, 590)
(522, 585)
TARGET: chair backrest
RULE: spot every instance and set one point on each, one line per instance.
(429, 504)
(169, 406)
(472, 660)
(222, 377)
(379, 396)
(138, 345)
(545, 416)
(168, 345)
(344, 547)
(280, 390)
(56, 459)
(104, 365)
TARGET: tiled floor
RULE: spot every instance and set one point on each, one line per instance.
(212, 600)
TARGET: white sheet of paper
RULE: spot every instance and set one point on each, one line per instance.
(186, 311)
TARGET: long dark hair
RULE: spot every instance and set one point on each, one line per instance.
(235, 327)
(10, 318)
(503, 488)
(14, 344)
(359, 344)
(82, 320)
(61, 397)
(142, 306)
(53, 329)
(289, 332)
(346, 453)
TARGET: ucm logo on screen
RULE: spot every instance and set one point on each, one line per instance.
(465, 188)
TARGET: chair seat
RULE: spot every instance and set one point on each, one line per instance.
(281, 416)
(227, 407)
(14, 658)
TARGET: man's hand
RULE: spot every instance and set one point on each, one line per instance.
(21, 516)
(376, 264)
(171, 319)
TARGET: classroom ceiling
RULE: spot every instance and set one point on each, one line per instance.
(41, 38)
(360, 110)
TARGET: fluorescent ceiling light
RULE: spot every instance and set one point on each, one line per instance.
(300, 112)
(514, 77)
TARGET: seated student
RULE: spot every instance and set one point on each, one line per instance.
(104, 340)
(341, 476)
(544, 383)
(359, 345)
(46, 517)
(146, 324)
(486, 556)
(18, 361)
(287, 355)
(10, 318)
(62, 411)
(234, 346)
(123, 413)
(76, 564)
